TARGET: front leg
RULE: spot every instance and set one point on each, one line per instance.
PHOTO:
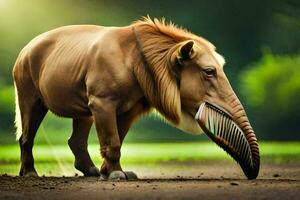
(104, 112)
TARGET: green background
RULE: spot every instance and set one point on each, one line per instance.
(260, 40)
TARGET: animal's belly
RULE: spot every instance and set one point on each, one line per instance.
(67, 106)
(66, 101)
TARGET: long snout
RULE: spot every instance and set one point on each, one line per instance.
(233, 133)
(240, 118)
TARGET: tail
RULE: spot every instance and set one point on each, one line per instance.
(18, 120)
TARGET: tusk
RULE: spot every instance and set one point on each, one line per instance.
(199, 112)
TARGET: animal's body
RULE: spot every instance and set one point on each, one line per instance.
(110, 76)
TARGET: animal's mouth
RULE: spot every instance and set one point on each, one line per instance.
(219, 125)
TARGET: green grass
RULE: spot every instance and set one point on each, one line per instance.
(58, 159)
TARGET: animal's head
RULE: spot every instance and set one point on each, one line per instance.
(222, 116)
(193, 92)
(202, 77)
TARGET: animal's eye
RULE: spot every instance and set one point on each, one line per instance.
(210, 72)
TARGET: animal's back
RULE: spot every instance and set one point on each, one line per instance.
(56, 62)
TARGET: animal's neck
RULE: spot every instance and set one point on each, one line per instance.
(152, 71)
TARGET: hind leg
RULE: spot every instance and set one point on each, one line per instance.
(32, 113)
(78, 145)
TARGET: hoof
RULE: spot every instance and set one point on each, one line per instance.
(117, 176)
(92, 171)
(30, 174)
(103, 177)
(130, 175)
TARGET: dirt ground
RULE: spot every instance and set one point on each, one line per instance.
(208, 180)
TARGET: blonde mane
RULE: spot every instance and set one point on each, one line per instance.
(158, 80)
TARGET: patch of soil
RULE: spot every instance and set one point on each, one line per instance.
(212, 180)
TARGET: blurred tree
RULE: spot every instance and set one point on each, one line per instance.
(7, 105)
(271, 88)
(239, 29)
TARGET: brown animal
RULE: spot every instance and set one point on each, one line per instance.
(110, 76)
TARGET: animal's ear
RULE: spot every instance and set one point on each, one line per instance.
(186, 50)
